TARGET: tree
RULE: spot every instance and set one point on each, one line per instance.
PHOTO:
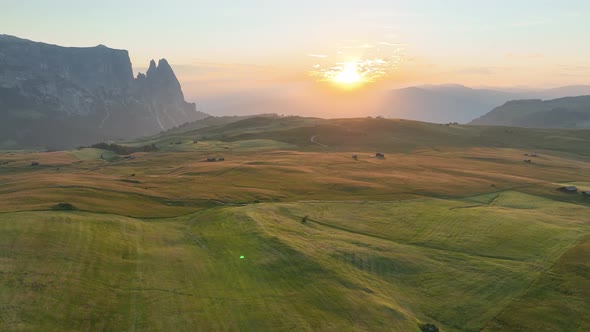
(63, 207)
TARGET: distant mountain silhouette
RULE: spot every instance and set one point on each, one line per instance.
(566, 91)
(457, 103)
(430, 103)
(56, 97)
(569, 112)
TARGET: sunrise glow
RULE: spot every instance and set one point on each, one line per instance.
(351, 72)
(348, 75)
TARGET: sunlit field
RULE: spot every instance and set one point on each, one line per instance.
(457, 233)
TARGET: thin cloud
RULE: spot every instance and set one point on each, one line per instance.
(322, 56)
(389, 44)
(477, 71)
(201, 64)
(574, 68)
(511, 55)
(360, 46)
(370, 70)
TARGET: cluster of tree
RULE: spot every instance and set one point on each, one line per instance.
(123, 149)
(63, 206)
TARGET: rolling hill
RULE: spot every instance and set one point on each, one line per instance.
(374, 134)
(288, 232)
(570, 112)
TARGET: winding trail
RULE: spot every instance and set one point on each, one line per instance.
(105, 119)
(312, 139)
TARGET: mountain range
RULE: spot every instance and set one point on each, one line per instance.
(457, 103)
(430, 103)
(569, 112)
(59, 97)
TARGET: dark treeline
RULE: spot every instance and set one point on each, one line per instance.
(124, 150)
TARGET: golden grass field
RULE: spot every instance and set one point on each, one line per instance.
(452, 228)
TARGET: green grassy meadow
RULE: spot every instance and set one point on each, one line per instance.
(452, 228)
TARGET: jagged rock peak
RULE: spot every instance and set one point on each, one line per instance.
(166, 73)
(164, 63)
(152, 69)
(85, 94)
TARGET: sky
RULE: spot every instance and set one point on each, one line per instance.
(230, 47)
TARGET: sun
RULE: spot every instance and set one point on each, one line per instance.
(348, 75)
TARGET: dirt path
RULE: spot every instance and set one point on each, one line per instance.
(312, 139)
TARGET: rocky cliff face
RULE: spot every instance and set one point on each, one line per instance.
(160, 89)
(55, 97)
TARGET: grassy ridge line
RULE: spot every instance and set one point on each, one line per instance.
(403, 135)
(387, 135)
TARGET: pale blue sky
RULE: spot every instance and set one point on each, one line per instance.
(490, 42)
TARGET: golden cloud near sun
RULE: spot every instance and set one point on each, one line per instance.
(355, 73)
(355, 63)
